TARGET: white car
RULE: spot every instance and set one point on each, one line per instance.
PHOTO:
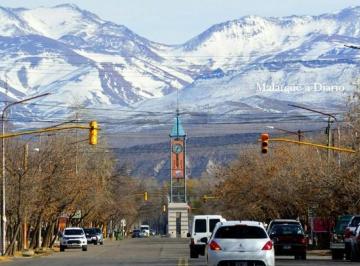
(73, 237)
(145, 230)
(240, 243)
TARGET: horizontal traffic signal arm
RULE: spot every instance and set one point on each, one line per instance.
(314, 145)
(42, 130)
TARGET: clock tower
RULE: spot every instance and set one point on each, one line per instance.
(178, 225)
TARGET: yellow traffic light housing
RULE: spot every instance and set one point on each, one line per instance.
(93, 135)
(204, 198)
(145, 196)
(264, 143)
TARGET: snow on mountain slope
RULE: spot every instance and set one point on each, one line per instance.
(231, 67)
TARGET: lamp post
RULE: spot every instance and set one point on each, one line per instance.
(3, 179)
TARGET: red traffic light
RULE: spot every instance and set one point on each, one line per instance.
(264, 142)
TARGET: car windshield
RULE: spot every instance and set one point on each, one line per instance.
(71, 232)
(136, 231)
(97, 230)
(240, 232)
(355, 221)
(287, 229)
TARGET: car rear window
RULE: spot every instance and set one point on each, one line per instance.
(212, 224)
(287, 229)
(71, 232)
(200, 226)
(240, 232)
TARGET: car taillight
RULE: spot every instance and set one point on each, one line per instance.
(347, 233)
(214, 246)
(268, 245)
(302, 240)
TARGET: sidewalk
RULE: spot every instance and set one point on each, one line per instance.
(319, 252)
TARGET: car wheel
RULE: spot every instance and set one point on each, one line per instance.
(303, 256)
(62, 248)
(337, 255)
(102, 243)
(84, 248)
(95, 242)
(193, 254)
(347, 252)
(354, 256)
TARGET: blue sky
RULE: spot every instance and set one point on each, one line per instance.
(176, 21)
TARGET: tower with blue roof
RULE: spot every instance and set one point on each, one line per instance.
(178, 208)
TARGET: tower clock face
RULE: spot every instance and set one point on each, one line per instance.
(177, 148)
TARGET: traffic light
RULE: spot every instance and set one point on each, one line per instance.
(264, 143)
(204, 198)
(93, 133)
(145, 196)
(164, 208)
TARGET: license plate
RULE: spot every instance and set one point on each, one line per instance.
(287, 247)
(241, 264)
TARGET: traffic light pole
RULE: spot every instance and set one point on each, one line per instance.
(3, 177)
(314, 145)
(93, 140)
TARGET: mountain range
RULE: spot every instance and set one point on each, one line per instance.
(233, 67)
(249, 69)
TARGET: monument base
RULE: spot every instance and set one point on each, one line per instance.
(178, 220)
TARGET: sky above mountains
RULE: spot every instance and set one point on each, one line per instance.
(175, 22)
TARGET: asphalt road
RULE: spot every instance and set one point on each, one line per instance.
(152, 251)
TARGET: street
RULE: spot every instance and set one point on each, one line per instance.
(141, 251)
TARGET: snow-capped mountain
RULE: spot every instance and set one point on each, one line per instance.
(250, 65)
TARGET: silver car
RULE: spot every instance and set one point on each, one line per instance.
(240, 243)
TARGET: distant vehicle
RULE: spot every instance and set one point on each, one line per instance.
(152, 232)
(202, 226)
(337, 244)
(73, 237)
(280, 221)
(94, 236)
(289, 238)
(240, 243)
(349, 233)
(145, 229)
(135, 233)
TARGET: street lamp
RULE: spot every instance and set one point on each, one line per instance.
(3, 179)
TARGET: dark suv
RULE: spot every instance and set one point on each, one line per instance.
(289, 238)
(337, 245)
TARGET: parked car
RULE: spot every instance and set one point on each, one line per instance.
(355, 245)
(202, 226)
(288, 238)
(349, 233)
(94, 236)
(136, 233)
(145, 230)
(73, 237)
(337, 245)
(240, 243)
(280, 221)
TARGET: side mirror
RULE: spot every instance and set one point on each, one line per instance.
(188, 235)
(204, 240)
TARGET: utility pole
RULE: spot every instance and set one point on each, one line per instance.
(328, 129)
(26, 156)
(3, 177)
